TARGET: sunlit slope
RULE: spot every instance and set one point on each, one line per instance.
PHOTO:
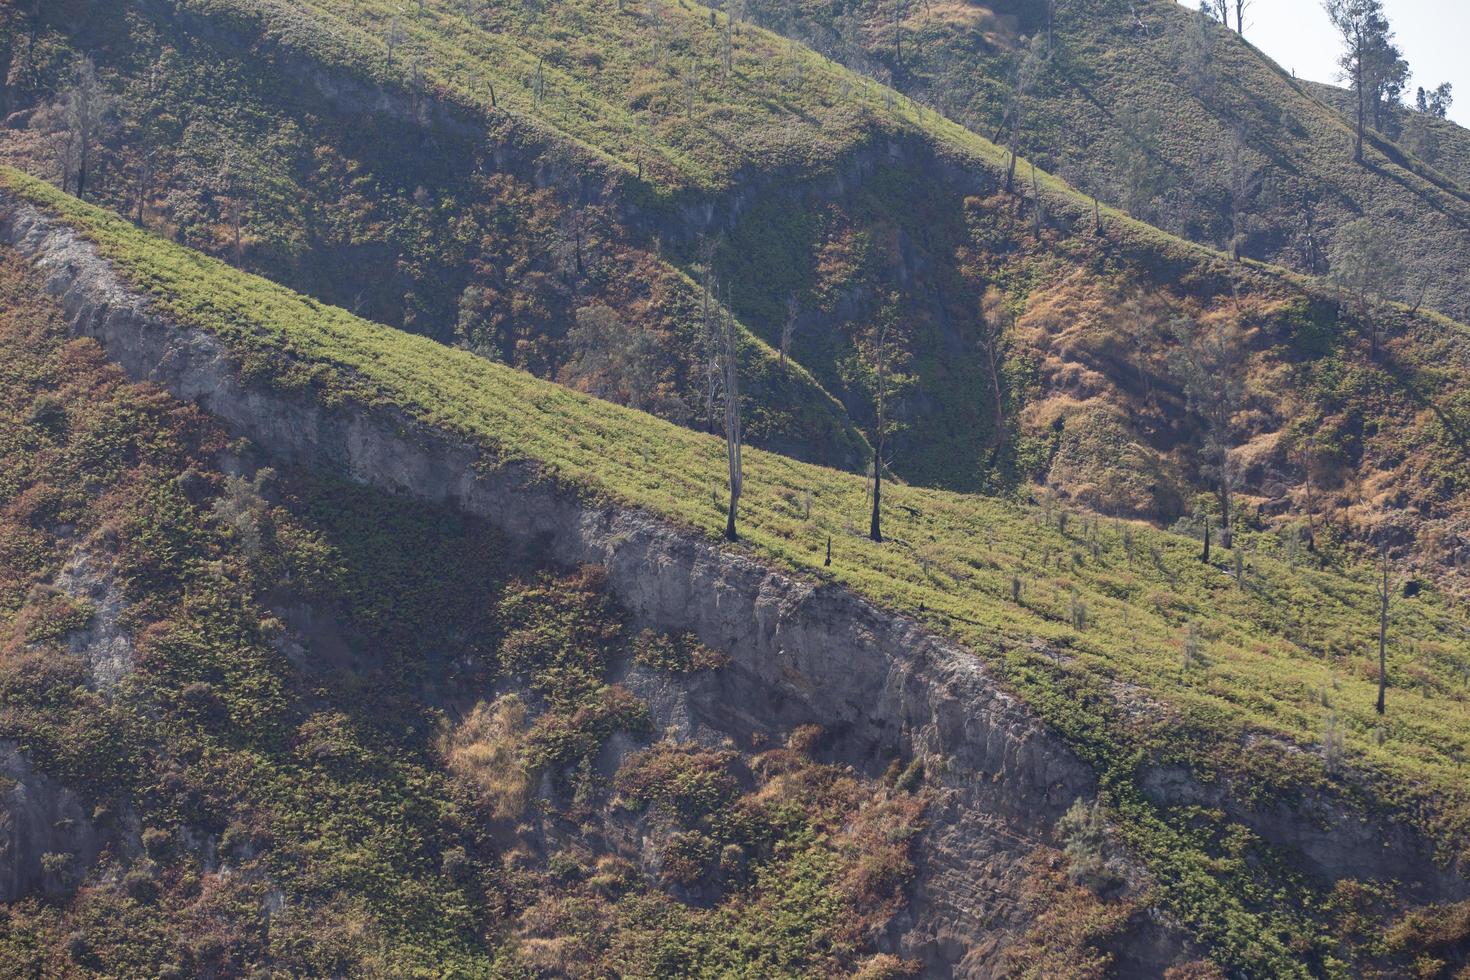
(1278, 642)
(641, 85)
(1175, 118)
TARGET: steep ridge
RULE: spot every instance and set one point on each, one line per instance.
(317, 752)
(341, 840)
(483, 232)
(994, 778)
(781, 631)
(825, 231)
(1166, 113)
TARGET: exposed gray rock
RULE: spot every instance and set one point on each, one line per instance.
(102, 643)
(47, 840)
(801, 652)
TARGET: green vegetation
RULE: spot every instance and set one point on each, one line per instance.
(211, 142)
(1162, 111)
(1286, 645)
(478, 225)
(286, 777)
(652, 97)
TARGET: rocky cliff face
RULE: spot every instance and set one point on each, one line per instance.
(47, 839)
(802, 652)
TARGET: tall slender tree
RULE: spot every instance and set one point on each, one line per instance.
(711, 339)
(1385, 586)
(83, 109)
(728, 358)
(788, 328)
(1245, 183)
(1030, 66)
(994, 319)
(1435, 101)
(880, 431)
(1366, 266)
(1369, 61)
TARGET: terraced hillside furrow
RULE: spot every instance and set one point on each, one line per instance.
(1214, 766)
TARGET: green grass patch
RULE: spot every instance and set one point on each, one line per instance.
(1088, 620)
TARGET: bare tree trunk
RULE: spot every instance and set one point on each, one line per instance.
(732, 421)
(1384, 590)
(1360, 72)
(712, 340)
(1226, 534)
(1036, 200)
(235, 221)
(788, 329)
(84, 154)
(1227, 499)
(145, 181)
(875, 530)
(1000, 408)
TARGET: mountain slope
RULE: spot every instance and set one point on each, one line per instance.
(1141, 103)
(903, 233)
(1085, 621)
(273, 720)
(1436, 143)
(468, 230)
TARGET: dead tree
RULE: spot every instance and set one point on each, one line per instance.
(84, 109)
(1245, 182)
(730, 364)
(1385, 588)
(395, 37)
(1209, 366)
(880, 431)
(711, 339)
(1028, 72)
(994, 318)
(1241, 6)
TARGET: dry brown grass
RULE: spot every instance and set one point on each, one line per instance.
(483, 751)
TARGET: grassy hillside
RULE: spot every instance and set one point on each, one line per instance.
(1117, 635)
(494, 230)
(327, 751)
(1140, 103)
(491, 225)
(1438, 145)
(211, 141)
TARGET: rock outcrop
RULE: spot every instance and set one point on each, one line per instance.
(47, 840)
(802, 652)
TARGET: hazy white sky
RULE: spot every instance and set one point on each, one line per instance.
(1433, 35)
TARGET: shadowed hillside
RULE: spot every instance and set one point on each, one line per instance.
(1179, 683)
(1172, 117)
